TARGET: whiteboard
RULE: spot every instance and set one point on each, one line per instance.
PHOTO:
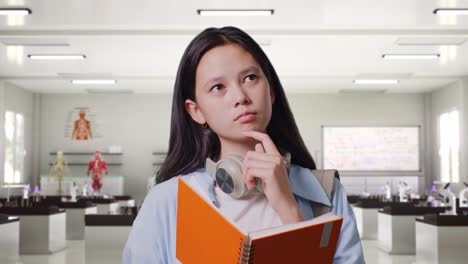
(371, 148)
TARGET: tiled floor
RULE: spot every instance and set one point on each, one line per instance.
(75, 254)
(373, 254)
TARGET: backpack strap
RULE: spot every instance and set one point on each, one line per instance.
(326, 179)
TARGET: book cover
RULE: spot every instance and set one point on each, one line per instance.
(204, 235)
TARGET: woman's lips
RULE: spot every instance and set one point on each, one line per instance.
(246, 118)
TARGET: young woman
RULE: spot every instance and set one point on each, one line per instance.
(228, 100)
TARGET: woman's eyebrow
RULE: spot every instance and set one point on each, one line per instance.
(249, 69)
(213, 80)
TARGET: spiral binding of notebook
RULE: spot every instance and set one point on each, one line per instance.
(246, 251)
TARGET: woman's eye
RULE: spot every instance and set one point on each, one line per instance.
(250, 77)
(216, 88)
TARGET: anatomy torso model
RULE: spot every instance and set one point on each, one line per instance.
(95, 168)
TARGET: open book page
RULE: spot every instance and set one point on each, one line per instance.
(283, 228)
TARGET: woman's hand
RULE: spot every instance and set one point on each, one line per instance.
(267, 164)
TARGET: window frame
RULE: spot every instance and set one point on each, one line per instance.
(449, 143)
(15, 151)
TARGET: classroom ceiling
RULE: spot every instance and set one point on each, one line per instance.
(317, 46)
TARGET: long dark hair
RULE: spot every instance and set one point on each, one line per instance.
(189, 143)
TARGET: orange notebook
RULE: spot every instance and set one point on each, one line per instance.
(205, 236)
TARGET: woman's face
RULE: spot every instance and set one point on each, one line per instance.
(232, 93)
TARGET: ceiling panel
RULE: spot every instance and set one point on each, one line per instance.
(315, 46)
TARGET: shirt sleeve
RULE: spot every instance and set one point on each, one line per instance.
(152, 237)
(349, 248)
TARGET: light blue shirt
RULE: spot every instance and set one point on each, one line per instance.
(152, 239)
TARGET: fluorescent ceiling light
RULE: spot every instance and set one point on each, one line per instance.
(430, 41)
(235, 12)
(451, 11)
(375, 81)
(56, 57)
(97, 81)
(15, 11)
(41, 42)
(410, 56)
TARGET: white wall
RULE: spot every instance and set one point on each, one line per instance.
(140, 123)
(13, 98)
(137, 122)
(313, 111)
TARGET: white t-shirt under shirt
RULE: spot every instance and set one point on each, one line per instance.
(250, 214)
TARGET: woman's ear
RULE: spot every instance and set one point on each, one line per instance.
(194, 111)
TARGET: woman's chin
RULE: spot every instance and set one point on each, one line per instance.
(254, 126)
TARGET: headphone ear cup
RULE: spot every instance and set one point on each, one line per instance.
(229, 171)
(228, 176)
(224, 181)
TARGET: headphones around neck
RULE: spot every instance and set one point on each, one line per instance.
(228, 175)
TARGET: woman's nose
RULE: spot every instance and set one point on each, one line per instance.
(240, 96)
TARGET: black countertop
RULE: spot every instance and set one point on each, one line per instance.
(444, 220)
(109, 220)
(4, 219)
(97, 200)
(122, 197)
(373, 204)
(410, 209)
(31, 210)
(75, 205)
(353, 198)
(66, 204)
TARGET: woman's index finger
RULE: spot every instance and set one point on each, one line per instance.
(267, 143)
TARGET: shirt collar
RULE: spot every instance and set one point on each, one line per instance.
(301, 180)
(304, 184)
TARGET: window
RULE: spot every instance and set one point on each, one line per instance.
(449, 147)
(14, 147)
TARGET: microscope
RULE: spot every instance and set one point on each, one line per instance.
(25, 200)
(36, 195)
(403, 192)
(462, 196)
(448, 198)
(387, 191)
(73, 191)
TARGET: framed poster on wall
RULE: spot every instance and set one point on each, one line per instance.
(81, 125)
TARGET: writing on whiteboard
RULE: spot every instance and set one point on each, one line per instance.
(371, 148)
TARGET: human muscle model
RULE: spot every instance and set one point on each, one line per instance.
(95, 168)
